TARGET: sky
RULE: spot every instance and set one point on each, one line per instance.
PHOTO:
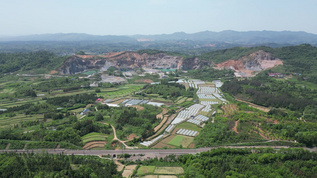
(130, 17)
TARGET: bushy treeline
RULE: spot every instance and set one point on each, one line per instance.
(45, 165)
(224, 162)
(210, 74)
(67, 101)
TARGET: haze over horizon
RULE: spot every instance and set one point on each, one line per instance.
(150, 17)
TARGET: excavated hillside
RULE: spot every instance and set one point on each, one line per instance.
(128, 60)
(247, 66)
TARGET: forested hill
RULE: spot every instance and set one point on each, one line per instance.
(38, 62)
(297, 59)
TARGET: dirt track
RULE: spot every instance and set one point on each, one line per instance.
(235, 126)
(262, 108)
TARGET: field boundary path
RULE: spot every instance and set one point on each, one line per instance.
(262, 108)
(116, 138)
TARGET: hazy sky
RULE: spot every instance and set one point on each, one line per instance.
(128, 17)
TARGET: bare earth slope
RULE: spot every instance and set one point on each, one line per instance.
(80, 63)
(248, 65)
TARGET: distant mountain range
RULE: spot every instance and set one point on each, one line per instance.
(249, 37)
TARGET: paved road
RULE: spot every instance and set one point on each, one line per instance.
(149, 152)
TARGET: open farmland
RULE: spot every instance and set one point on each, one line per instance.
(155, 171)
(181, 141)
(10, 121)
(169, 170)
(94, 137)
(145, 170)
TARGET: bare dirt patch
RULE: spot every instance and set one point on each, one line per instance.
(235, 126)
(53, 72)
(119, 165)
(160, 125)
(118, 101)
(138, 108)
(167, 176)
(229, 109)
(164, 143)
(128, 170)
(144, 81)
(160, 116)
(132, 136)
(95, 144)
(270, 120)
(192, 145)
(169, 170)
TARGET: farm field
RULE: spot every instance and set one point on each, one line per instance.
(189, 126)
(10, 121)
(93, 137)
(169, 170)
(121, 91)
(183, 141)
(164, 143)
(160, 172)
(144, 170)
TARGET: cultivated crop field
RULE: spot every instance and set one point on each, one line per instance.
(152, 171)
(125, 90)
(9, 121)
(189, 126)
(93, 137)
(169, 170)
(144, 170)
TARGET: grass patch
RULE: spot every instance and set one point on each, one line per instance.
(169, 170)
(181, 100)
(176, 140)
(179, 140)
(189, 126)
(93, 137)
(189, 99)
(144, 170)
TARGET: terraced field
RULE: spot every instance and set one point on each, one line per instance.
(94, 137)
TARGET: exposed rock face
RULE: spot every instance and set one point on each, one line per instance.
(128, 60)
(248, 65)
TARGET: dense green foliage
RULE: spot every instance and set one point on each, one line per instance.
(12, 62)
(270, 92)
(168, 90)
(45, 165)
(251, 163)
(210, 74)
(220, 132)
(226, 162)
(66, 84)
(128, 120)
